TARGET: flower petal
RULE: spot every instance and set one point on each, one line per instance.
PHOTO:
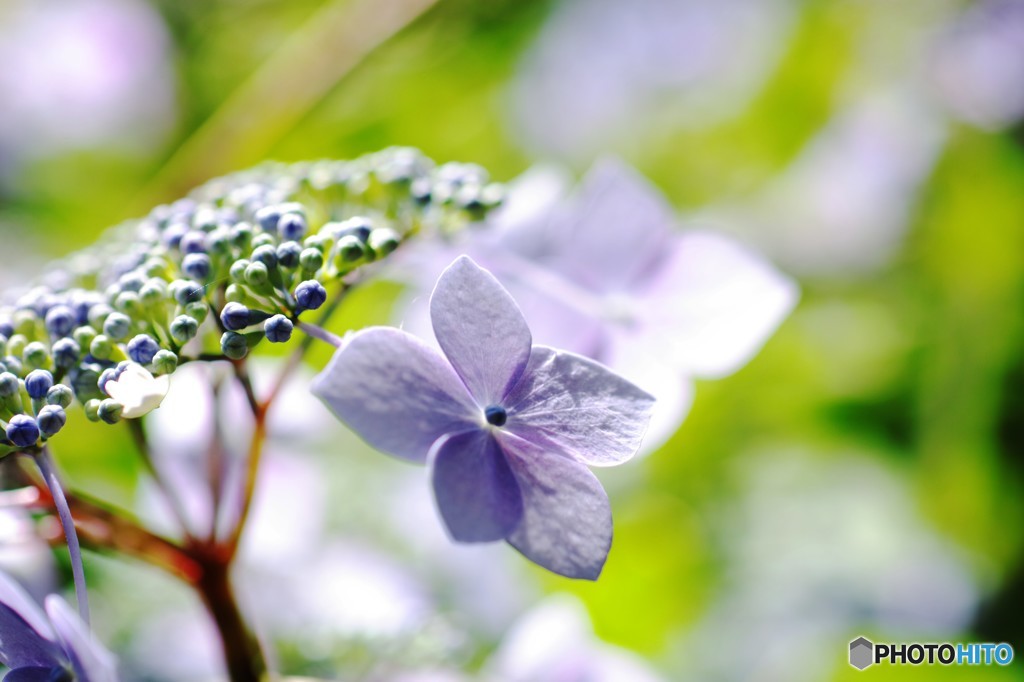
(476, 492)
(395, 392)
(578, 407)
(90, 659)
(138, 391)
(714, 304)
(480, 329)
(616, 228)
(567, 520)
(30, 674)
(24, 632)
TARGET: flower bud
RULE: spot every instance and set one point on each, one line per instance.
(59, 394)
(37, 383)
(23, 431)
(92, 410)
(383, 241)
(9, 385)
(51, 419)
(60, 321)
(101, 348)
(164, 362)
(196, 266)
(234, 345)
(184, 328)
(84, 336)
(349, 249)
(142, 348)
(278, 329)
(117, 326)
(110, 411)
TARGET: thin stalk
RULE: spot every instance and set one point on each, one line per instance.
(60, 502)
(242, 653)
(138, 432)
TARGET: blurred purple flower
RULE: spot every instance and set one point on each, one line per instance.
(605, 274)
(978, 64)
(77, 74)
(506, 427)
(45, 648)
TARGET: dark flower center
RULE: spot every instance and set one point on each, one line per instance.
(496, 415)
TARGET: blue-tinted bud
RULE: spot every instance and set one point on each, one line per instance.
(109, 374)
(36, 355)
(310, 295)
(186, 291)
(234, 345)
(133, 281)
(60, 321)
(23, 431)
(194, 241)
(278, 329)
(142, 348)
(288, 254)
(9, 385)
(98, 313)
(110, 411)
(117, 326)
(13, 365)
(358, 227)
(164, 362)
(66, 353)
(234, 316)
(267, 217)
(51, 419)
(197, 266)
(266, 255)
(241, 235)
(173, 235)
(60, 394)
(219, 241)
(7, 328)
(184, 328)
(37, 383)
(291, 226)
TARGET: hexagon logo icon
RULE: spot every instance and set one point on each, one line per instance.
(861, 653)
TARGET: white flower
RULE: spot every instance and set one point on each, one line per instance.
(137, 390)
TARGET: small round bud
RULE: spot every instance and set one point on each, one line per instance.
(92, 409)
(197, 266)
(383, 241)
(14, 365)
(84, 336)
(142, 348)
(37, 383)
(241, 235)
(266, 255)
(234, 316)
(350, 248)
(117, 326)
(154, 292)
(60, 321)
(187, 291)
(51, 419)
(36, 355)
(291, 226)
(234, 345)
(184, 328)
(288, 254)
(237, 270)
(198, 311)
(66, 353)
(98, 313)
(128, 302)
(267, 217)
(101, 347)
(23, 431)
(16, 344)
(311, 260)
(278, 329)
(262, 240)
(357, 226)
(60, 394)
(106, 376)
(164, 362)
(9, 385)
(193, 242)
(310, 295)
(110, 411)
(257, 275)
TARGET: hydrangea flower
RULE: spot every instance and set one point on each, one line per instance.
(507, 428)
(51, 647)
(605, 274)
(137, 390)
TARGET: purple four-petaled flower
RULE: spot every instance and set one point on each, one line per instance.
(506, 427)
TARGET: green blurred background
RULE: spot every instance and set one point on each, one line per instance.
(861, 475)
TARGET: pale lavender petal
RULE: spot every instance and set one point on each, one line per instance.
(617, 227)
(90, 660)
(579, 407)
(567, 520)
(475, 490)
(25, 636)
(480, 329)
(714, 304)
(395, 392)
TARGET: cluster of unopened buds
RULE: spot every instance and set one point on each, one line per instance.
(211, 276)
